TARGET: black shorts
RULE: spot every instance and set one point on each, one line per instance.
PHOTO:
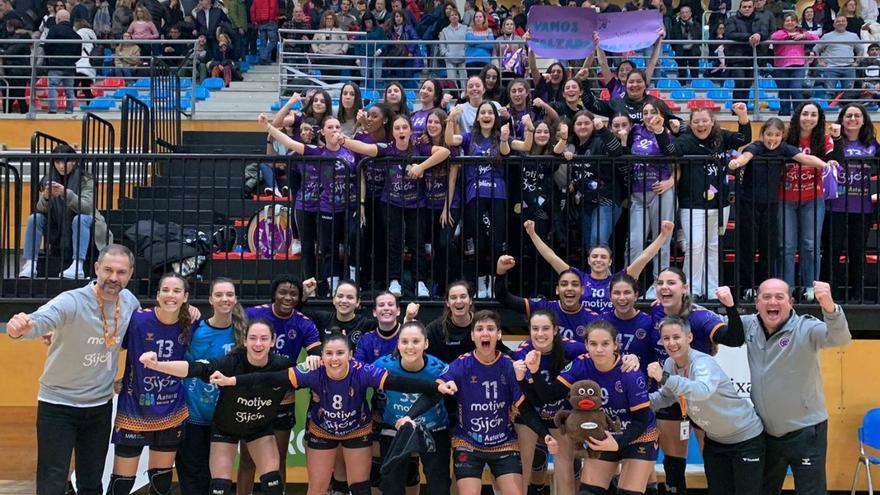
(130, 443)
(640, 451)
(671, 413)
(220, 436)
(470, 464)
(286, 418)
(319, 443)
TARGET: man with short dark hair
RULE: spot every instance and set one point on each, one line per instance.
(61, 60)
(747, 30)
(838, 58)
(74, 408)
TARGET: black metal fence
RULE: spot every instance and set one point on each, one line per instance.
(206, 215)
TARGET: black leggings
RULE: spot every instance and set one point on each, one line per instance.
(403, 229)
(757, 227)
(845, 234)
(445, 261)
(485, 224)
(307, 223)
(374, 250)
(435, 465)
(335, 229)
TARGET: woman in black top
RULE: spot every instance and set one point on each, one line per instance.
(345, 318)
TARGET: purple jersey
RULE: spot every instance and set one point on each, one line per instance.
(435, 185)
(292, 334)
(487, 396)
(518, 129)
(339, 180)
(419, 121)
(571, 350)
(597, 291)
(487, 179)
(374, 173)
(339, 410)
(571, 325)
(636, 336)
(150, 400)
(645, 175)
(399, 190)
(616, 89)
(704, 324)
(308, 197)
(854, 180)
(622, 393)
(374, 345)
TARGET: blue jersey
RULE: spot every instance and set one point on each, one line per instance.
(207, 342)
(292, 334)
(339, 410)
(622, 392)
(150, 400)
(571, 349)
(373, 345)
(704, 324)
(571, 325)
(397, 404)
(597, 291)
(636, 336)
(488, 396)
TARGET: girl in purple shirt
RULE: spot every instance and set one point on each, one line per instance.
(400, 197)
(485, 186)
(338, 192)
(521, 103)
(431, 98)
(395, 97)
(851, 213)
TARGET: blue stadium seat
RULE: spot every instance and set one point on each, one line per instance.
(668, 63)
(244, 66)
(668, 84)
(123, 92)
(729, 84)
(719, 95)
(766, 83)
(371, 94)
(101, 103)
(773, 104)
(185, 83)
(702, 84)
(683, 94)
(640, 63)
(143, 83)
(411, 95)
(213, 83)
(251, 59)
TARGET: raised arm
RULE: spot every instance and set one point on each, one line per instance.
(635, 268)
(809, 160)
(502, 294)
(438, 154)
(278, 121)
(546, 252)
(360, 148)
(655, 57)
(607, 75)
(525, 145)
(180, 369)
(280, 136)
(452, 137)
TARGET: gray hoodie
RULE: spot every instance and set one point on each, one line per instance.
(80, 369)
(712, 401)
(786, 375)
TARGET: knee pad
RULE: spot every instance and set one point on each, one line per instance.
(271, 483)
(621, 491)
(586, 489)
(160, 481)
(412, 471)
(338, 486)
(539, 461)
(651, 489)
(362, 488)
(674, 468)
(578, 468)
(220, 486)
(375, 475)
(120, 484)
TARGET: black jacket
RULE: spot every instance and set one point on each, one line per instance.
(686, 31)
(740, 28)
(62, 56)
(623, 105)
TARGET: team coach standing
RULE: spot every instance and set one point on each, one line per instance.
(783, 349)
(74, 409)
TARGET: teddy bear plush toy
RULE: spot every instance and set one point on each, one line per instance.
(586, 419)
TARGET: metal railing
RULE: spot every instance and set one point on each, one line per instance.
(183, 209)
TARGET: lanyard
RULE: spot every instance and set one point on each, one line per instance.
(109, 340)
(682, 401)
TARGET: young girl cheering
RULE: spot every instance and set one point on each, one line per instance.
(152, 407)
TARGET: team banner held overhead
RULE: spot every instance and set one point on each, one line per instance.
(566, 33)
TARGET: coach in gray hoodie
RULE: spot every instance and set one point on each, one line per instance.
(783, 349)
(733, 452)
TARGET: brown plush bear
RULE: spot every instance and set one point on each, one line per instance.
(587, 419)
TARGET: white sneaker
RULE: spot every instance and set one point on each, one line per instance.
(394, 288)
(333, 283)
(484, 288)
(29, 270)
(651, 293)
(809, 295)
(423, 290)
(74, 271)
(297, 247)
(750, 295)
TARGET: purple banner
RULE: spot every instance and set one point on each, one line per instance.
(566, 33)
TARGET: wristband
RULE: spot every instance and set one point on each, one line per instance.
(664, 378)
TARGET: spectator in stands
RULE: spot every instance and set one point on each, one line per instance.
(122, 18)
(264, 13)
(158, 13)
(790, 63)
(615, 82)
(65, 214)
(128, 58)
(765, 14)
(718, 9)
(174, 53)
(175, 15)
(17, 67)
(379, 13)
(49, 19)
(453, 54)
(294, 52)
(469, 11)
(143, 28)
(395, 98)
(512, 55)
(403, 54)
(208, 19)
(79, 10)
(687, 55)
(202, 56)
(717, 57)
(809, 23)
(397, 6)
(330, 45)
(851, 213)
(854, 21)
(837, 57)
(747, 30)
(478, 54)
(802, 210)
(350, 104)
(371, 51)
(237, 28)
(75, 406)
(348, 18)
(84, 67)
(223, 60)
(869, 75)
(869, 10)
(491, 77)
(61, 60)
